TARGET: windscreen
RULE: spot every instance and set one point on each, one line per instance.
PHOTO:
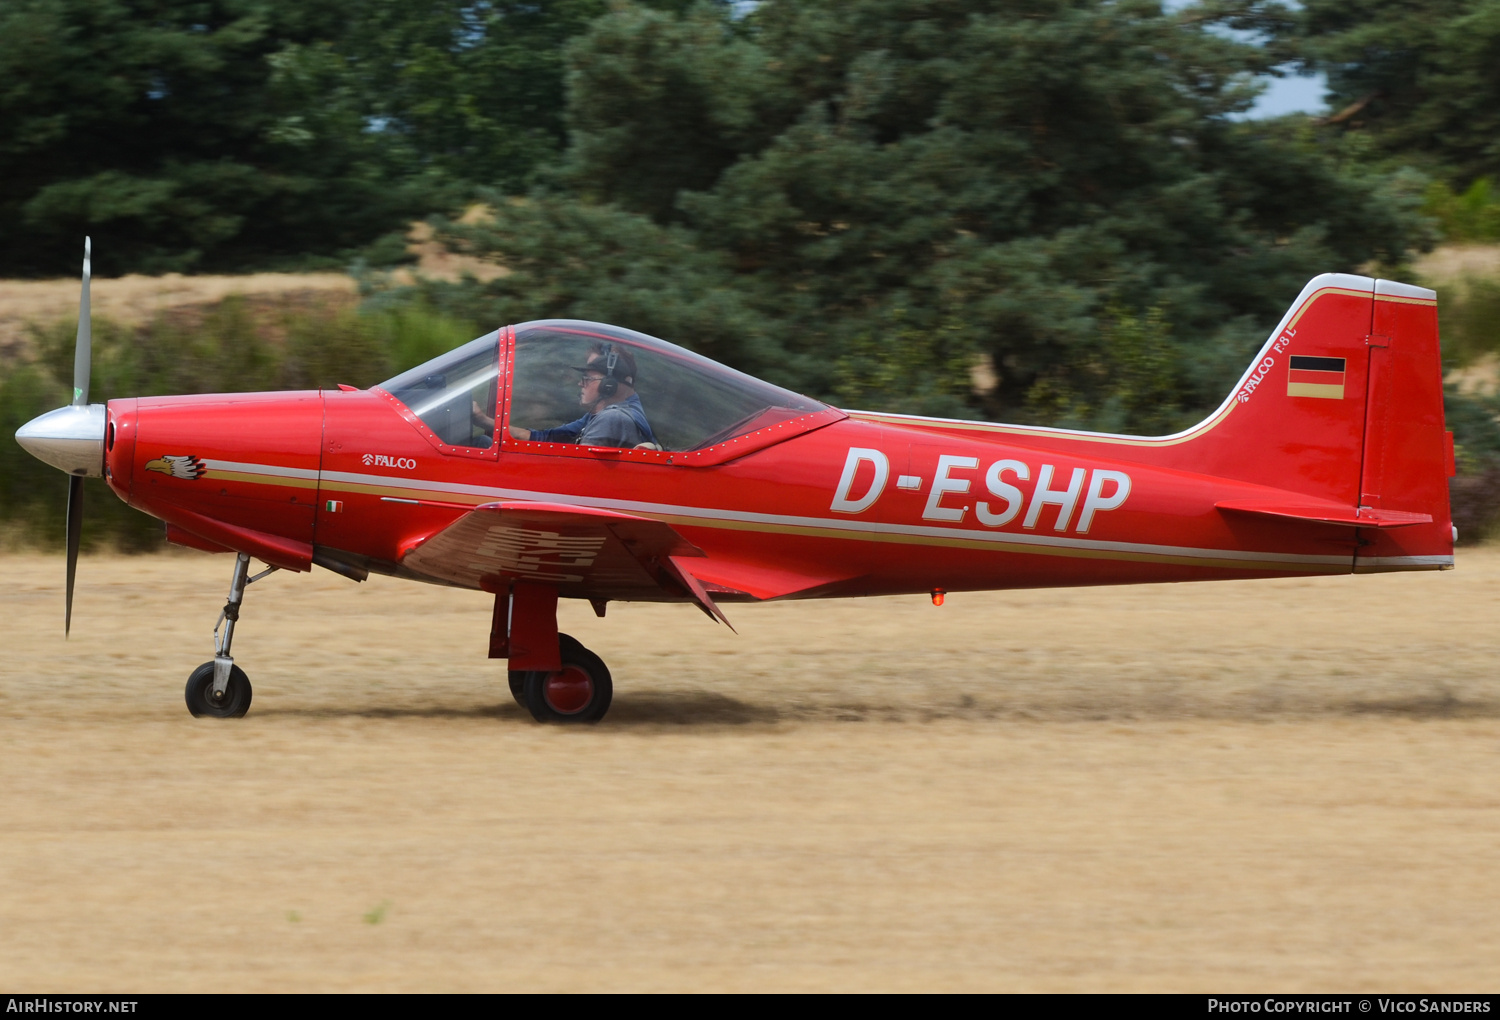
(454, 393)
(689, 401)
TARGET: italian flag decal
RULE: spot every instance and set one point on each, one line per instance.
(334, 506)
(1315, 377)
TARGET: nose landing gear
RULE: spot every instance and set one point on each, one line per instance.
(220, 688)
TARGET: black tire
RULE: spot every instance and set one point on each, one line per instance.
(580, 692)
(517, 677)
(200, 699)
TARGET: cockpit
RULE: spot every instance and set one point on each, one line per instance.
(527, 377)
(444, 391)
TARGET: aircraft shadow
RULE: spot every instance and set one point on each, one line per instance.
(1434, 706)
(694, 708)
(707, 709)
(393, 712)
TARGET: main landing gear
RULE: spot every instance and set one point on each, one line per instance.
(220, 688)
(579, 692)
(551, 675)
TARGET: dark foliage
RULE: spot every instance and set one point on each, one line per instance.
(220, 135)
(1017, 178)
(1420, 78)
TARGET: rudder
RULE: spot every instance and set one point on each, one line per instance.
(1408, 454)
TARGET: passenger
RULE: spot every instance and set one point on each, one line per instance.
(615, 417)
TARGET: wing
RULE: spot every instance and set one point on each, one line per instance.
(585, 552)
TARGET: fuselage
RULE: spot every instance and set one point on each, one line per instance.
(1329, 456)
(476, 469)
(863, 505)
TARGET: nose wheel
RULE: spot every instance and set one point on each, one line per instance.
(579, 692)
(220, 688)
(231, 703)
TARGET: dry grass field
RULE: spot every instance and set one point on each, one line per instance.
(1273, 785)
(132, 300)
(135, 299)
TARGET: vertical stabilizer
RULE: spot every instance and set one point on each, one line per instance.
(1345, 403)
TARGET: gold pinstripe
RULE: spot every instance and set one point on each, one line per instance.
(998, 546)
(257, 479)
(831, 531)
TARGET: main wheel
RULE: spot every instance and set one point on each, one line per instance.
(233, 703)
(517, 677)
(579, 692)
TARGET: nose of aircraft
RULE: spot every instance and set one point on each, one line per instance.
(70, 438)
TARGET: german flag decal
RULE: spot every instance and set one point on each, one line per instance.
(1315, 377)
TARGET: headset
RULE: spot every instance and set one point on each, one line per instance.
(609, 385)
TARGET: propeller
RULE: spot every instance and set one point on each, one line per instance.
(71, 438)
(83, 351)
(75, 530)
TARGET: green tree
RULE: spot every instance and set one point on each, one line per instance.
(172, 131)
(1013, 175)
(475, 89)
(232, 134)
(1421, 78)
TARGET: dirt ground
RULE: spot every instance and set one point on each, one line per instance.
(1257, 786)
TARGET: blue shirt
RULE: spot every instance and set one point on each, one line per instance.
(620, 424)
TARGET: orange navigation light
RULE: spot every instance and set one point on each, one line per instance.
(937, 596)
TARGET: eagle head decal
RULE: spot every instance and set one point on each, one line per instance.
(189, 467)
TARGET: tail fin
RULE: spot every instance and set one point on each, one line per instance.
(1345, 404)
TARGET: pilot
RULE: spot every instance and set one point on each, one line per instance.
(615, 417)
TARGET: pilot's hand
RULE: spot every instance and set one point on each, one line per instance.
(517, 432)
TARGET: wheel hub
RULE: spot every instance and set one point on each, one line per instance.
(568, 691)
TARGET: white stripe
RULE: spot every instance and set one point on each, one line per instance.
(1406, 290)
(828, 524)
(1411, 561)
(261, 469)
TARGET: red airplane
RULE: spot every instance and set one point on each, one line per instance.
(687, 481)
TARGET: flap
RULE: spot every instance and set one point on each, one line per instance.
(737, 580)
(583, 551)
(1317, 512)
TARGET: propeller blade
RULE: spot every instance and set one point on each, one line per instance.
(83, 351)
(75, 531)
(83, 356)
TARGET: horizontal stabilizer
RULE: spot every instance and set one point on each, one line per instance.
(1315, 512)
